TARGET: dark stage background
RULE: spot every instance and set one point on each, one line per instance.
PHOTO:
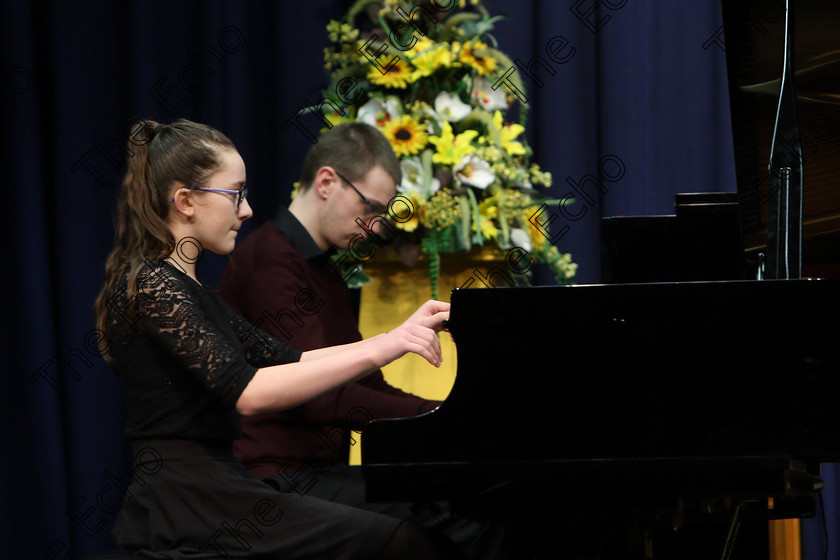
(641, 89)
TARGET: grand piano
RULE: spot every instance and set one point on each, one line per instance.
(679, 396)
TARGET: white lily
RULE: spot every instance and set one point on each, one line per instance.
(520, 238)
(449, 107)
(377, 111)
(414, 179)
(473, 171)
(485, 96)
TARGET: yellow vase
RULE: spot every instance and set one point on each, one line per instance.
(394, 293)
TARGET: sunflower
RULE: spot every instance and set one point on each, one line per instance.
(406, 134)
(398, 75)
(473, 53)
(419, 213)
(428, 56)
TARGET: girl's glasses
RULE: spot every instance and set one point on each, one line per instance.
(241, 193)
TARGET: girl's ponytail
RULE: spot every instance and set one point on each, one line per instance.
(160, 156)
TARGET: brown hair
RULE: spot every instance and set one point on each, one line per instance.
(353, 149)
(159, 156)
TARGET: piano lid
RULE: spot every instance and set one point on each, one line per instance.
(754, 38)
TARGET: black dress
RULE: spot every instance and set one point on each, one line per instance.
(184, 359)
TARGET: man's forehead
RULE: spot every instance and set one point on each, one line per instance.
(380, 182)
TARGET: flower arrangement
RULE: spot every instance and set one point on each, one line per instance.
(427, 77)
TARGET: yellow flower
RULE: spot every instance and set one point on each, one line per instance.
(406, 134)
(334, 119)
(488, 228)
(442, 211)
(398, 76)
(451, 148)
(388, 8)
(515, 204)
(486, 215)
(538, 239)
(418, 214)
(490, 154)
(507, 133)
(539, 176)
(559, 263)
(472, 53)
(341, 31)
(427, 56)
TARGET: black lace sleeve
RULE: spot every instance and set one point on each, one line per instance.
(261, 349)
(170, 309)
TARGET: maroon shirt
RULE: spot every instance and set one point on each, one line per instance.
(283, 283)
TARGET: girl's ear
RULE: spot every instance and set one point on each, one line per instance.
(182, 202)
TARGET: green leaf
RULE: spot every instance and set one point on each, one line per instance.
(481, 118)
(487, 24)
(449, 239)
(504, 238)
(479, 239)
(385, 26)
(358, 7)
(455, 20)
(565, 202)
(492, 21)
(429, 245)
(358, 279)
(313, 108)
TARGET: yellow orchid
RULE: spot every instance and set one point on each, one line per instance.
(507, 133)
(451, 148)
(487, 213)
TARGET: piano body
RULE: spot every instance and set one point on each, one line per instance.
(655, 395)
(684, 390)
(681, 381)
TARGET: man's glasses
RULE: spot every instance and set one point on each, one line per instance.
(377, 209)
(241, 193)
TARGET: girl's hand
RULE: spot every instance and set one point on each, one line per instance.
(418, 334)
(431, 314)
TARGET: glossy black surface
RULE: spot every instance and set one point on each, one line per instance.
(557, 380)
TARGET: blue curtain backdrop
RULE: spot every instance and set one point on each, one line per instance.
(636, 101)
